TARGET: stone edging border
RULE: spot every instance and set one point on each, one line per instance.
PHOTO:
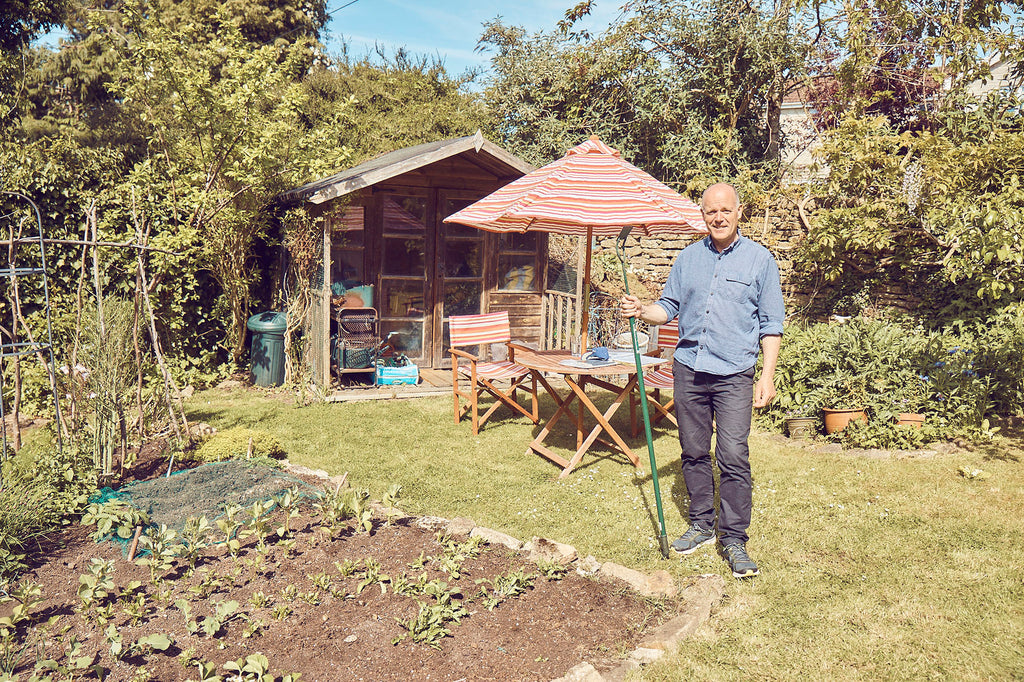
(699, 597)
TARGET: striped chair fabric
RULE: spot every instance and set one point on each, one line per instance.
(482, 330)
(667, 340)
(659, 379)
(472, 330)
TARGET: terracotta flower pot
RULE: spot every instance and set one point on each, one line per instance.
(836, 420)
(913, 419)
(800, 428)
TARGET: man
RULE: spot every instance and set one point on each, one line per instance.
(725, 290)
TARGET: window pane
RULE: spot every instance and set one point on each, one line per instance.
(408, 339)
(405, 215)
(462, 298)
(404, 257)
(401, 298)
(454, 229)
(462, 258)
(346, 268)
(347, 230)
(517, 241)
(517, 273)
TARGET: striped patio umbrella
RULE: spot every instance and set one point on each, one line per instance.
(589, 191)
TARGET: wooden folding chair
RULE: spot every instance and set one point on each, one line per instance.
(658, 379)
(482, 330)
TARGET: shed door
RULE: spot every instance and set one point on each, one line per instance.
(428, 271)
(406, 269)
(461, 267)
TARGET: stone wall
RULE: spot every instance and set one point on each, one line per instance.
(781, 231)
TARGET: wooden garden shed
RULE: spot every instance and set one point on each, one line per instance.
(385, 246)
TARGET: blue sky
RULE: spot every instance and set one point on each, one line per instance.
(447, 29)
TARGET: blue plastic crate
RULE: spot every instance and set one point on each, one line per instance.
(387, 376)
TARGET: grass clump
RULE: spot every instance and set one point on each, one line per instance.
(241, 443)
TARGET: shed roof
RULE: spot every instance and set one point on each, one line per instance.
(474, 148)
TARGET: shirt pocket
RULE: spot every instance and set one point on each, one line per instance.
(737, 288)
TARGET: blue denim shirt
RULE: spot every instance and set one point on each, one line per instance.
(725, 302)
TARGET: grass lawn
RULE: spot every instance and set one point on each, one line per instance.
(871, 567)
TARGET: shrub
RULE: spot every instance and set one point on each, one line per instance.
(41, 488)
(888, 367)
(235, 444)
(67, 477)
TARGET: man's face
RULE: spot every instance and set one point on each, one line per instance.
(722, 214)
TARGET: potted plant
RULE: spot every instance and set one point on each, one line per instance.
(847, 404)
(800, 425)
(908, 400)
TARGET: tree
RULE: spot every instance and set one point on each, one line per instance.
(923, 180)
(393, 102)
(228, 129)
(686, 90)
(23, 20)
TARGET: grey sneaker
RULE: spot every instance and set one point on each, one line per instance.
(739, 561)
(693, 539)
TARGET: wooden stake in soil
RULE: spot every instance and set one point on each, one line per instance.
(135, 543)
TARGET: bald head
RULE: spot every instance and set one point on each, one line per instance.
(720, 205)
(720, 191)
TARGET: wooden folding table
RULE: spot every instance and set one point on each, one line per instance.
(554, 362)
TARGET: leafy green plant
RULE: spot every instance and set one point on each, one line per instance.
(430, 624)
(259, 600)
(287, 501)
(552, 570)
(27, 513)
(348, 567)
(195, 538)
(254, 668)
(259, 523)
(186, 610)
(162, 550)
(321, 581)
(95, 586)
(505, 587)
(209, 583)
(208, 672)
(27, 596)
(137, 609)
(252, 628)
(114, 517)
(223, 613)
(312, 597)
(359, 504)
(887, 367)
(229, 525)
(372, 576)
(390, 501)
(332, 509)
(73, 664)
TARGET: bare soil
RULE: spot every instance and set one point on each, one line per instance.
(343, 632)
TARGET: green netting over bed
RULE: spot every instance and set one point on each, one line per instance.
(204, 491)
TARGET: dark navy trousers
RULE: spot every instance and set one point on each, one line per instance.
(726, 401)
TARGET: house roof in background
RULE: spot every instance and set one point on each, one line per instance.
(474, 148)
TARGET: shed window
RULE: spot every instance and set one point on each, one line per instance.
(347, 243)
(517, 262)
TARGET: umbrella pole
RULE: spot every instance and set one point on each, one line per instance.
(620, 251)
(585, 303)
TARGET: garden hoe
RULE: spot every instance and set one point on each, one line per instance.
(620, 250)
